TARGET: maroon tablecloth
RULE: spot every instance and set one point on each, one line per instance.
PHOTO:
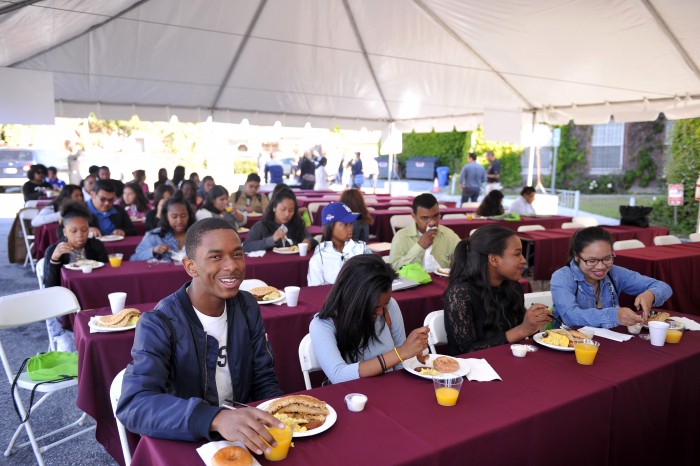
(550, 247)
(678, 265)
(464, 227)
(46, 235)
(637, 404)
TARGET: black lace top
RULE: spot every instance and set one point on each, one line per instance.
(465, 318)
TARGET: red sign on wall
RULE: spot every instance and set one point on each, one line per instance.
(675, 194)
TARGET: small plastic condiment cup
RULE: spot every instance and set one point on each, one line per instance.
(356, 401)
(86, 268)
(519, 351)
(634, 329)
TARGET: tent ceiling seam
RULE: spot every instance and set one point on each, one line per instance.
(16, 6)
(237, 56)
(88, 31)
(356, 31)
(671, 37)
(464, 44)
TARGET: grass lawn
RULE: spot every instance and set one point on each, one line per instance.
(609, 205)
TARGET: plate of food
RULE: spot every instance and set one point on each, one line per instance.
(658, 317)
(442, 272)
(560, 339)
(288, 250)
(109, 238)
(305, 414)
(138, 219)
(267, 294)
(243, 230)
(435, 365)
(254, 214)
(125, 319)
(77, 265)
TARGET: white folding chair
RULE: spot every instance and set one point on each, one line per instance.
(31, 203)
(443, 206)
(471, 232)
(539, 297)
(379, 247)
(627, 244)
(572, 225)
(387, 259)
(586, 221)
(27, 308)
(115, 392)
(664, 240)
(471, 204)
(307, 360)
(399, 221)
(313, 207)
(40, 272)
(694, 237)
(397, 201)
(436, 322)
(522, 228)
(249, 284)
(454, 216)
(25, 219)
(400, 207)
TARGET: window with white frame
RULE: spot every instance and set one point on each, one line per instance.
(607, 148)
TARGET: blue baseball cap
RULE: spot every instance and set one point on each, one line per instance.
(338, 212)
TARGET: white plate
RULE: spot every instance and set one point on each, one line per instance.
(108, 238)
(243, 230)
(273, 301)
(78, 267)
(92, 323)
(411, 364)
(440, 274)
(538, 339)
(277, 250)
(138, 219)
(330, 420)
(254, 214)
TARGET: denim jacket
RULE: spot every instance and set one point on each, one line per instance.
(144, 250)
(574, 298)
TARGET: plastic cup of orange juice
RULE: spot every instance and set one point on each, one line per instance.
(115, 260)
(675, 331)
(447, 387)
(586, 351)
(283, 437)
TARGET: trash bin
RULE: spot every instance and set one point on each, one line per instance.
(421, 168)
(383, 166)
(443, 175)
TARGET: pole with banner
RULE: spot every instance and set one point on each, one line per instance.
(675, 198)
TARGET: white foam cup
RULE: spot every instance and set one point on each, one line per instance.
(117, 301)
(303, 248)
(657, 332)
(292, 293)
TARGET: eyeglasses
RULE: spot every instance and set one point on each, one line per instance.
(426, 219)
(106, 200)
(593, 262)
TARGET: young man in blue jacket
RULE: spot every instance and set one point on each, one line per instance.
(202, 345)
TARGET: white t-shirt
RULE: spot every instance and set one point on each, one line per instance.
(217, 327)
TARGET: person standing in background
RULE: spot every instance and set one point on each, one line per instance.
(493, 173)
(52, 179)
(471, 178)
(321, 175)
(358, 177)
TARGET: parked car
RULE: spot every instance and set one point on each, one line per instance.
(15, 163)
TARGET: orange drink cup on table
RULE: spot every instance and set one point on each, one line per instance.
(447, 387)
(283, 437)
(675, 332)
(115, 260)
(586, 351)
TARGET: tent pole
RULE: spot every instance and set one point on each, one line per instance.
(531, 161)
(389, 172)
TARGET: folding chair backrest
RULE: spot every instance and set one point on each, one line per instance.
(694, 237)
(454, 216)
(473, 205)
(399, 207)
(522, 228)
(586, 221)
(36, 305)
(664, 240)
(307, 359)
(400, 221)
(313, 208)
(115, 392)
(438, 336)
(539, 297)
(572, 225)
(627, 244)
(39, 269)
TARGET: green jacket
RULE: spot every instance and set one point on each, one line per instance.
(406, 250)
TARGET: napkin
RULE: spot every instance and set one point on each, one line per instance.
(605, 333)
(260, 253)
(481, 371)
(206, 451)
(690, 324)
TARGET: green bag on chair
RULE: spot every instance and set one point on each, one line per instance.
(306, 218)
(415, 272)
(54, 365)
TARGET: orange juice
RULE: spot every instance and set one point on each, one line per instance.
(284, 440)
(447, 396)
(115, 260)
(673, 336)
(585, 353)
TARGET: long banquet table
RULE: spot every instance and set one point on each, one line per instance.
(677, 264)
(637, 404)
(46, 235)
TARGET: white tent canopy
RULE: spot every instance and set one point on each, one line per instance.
(355, 63)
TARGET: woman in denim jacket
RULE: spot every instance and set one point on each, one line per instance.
(586, 291)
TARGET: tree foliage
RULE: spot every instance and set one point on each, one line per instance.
(508, 154)
(447, 147)
(571, 157)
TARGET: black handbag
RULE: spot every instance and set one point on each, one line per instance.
(635, 215)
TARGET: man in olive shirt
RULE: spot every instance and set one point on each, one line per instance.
(425, 242)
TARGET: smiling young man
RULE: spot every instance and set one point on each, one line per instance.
(202, 345)
(425, 242)
(107, 218)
